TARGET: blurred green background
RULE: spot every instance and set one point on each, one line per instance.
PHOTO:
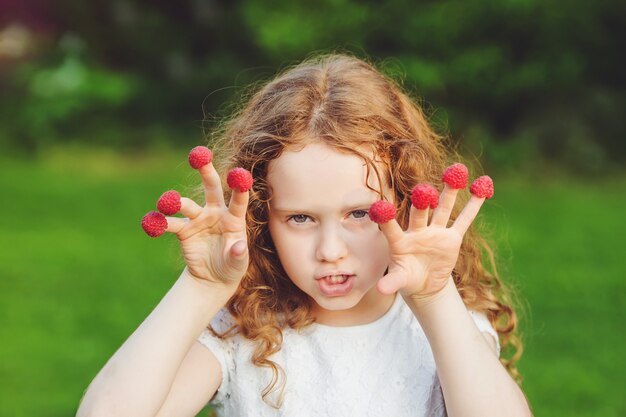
(101, 101)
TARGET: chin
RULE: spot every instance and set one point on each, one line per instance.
(339, 303)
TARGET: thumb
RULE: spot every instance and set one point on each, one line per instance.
(238, 254)
(391, 283)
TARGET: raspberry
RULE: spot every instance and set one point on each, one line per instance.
(240, 179)
(424, 196)
(200, 156)
(456, 176)
(169, 203)
(482, 187)
(382, 211)
(154, 224)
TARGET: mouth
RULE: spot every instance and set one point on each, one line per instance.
(336, 279)
(336, 285)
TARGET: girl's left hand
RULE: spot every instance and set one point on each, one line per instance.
(422, 257)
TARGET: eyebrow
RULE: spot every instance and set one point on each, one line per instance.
(297, 210)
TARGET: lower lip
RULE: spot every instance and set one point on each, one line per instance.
(335, 290)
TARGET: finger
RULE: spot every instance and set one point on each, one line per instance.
(238, 254)
(240, 181)
(467, 216)
(239, 203)
(391, 283)
(212, 184)
(443, 211)
(176, 224)
(189, 208)
(418, 218)
(392, 230)
(423, 196)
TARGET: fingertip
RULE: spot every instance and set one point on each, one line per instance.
(482, 187)
(240, 179)
(239, 248)
(382, 212)
(199, 157)
(456, 176)
(154, 224)
(385, 286)
(424, 196)
(169, 203)
(380, 286)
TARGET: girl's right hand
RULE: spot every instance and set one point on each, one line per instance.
(213, 237)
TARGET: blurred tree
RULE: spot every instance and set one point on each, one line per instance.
(512, 79)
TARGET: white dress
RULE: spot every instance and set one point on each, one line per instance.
(383, 368)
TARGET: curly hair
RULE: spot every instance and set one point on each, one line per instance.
(347, 103)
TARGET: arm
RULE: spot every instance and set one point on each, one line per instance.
(422, 258)
(137, 379)
(196, 382)
(473, 380)
(152, 369)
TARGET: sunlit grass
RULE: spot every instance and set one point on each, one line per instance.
(79, 275)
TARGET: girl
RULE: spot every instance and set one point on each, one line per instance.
(314, 309)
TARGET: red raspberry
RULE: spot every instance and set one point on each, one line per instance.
(382, 211)
(154, 224)
(240, 179)
(456, 176)
(200, 156)
(169, 203)
(424, 196)
(482, 187)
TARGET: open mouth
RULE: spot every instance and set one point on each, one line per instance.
(336, 285)
(336, 279)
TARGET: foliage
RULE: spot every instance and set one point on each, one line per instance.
(542, 77)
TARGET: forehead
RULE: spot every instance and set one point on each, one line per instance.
(319, 175)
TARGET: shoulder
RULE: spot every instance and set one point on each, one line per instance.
(222, 321)
(222, 349)
(219, 343)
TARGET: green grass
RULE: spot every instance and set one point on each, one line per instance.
(562, 240)
(79, 275)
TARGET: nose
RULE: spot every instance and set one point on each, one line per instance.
(331, 245)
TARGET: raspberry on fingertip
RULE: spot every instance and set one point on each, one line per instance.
(424, 196)
(200, 156)
(169, 203)
(482, 187)
(154, 224)
(240, 179)
(455, 176)
(382, 212)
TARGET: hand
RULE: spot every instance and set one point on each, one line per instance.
(422, 257)
(213, 237)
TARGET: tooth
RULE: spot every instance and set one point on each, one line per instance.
(338, 279)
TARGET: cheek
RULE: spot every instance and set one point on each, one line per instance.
(371, 244)
(290, 247)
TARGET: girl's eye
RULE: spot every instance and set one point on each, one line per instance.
(299, 218)
(359, 214)
(302, 218)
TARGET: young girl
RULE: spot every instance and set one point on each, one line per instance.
(294, 302)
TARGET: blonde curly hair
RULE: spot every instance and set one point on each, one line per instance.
(345, 102)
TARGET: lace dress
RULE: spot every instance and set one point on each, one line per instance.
(383, 368)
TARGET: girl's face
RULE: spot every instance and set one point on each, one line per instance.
(319, 224)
